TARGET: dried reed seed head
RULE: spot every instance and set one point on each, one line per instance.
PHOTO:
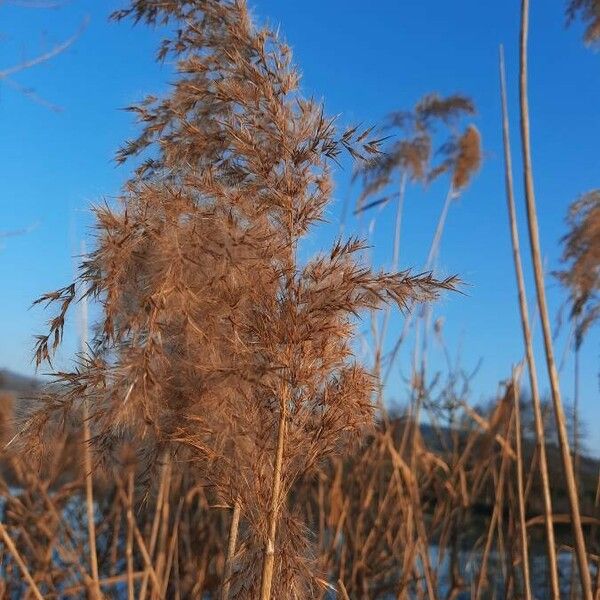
(434, 107)
(468, 158)
(412, 154)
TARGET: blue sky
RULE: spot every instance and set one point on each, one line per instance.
(364, 59)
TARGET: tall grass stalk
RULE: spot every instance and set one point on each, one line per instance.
(231, 544)
(164, 532)
(520, 486)
(495, 518)
(129, 542)
(432, 253)
(20, 562)
(172, 548)
(534, 241)
(166, 467)
(269, 551)
(594, 533)
(87, 460)
(540, 435)
(380, 342)
(126, 501)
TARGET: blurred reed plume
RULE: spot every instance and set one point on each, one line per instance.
(589, 12)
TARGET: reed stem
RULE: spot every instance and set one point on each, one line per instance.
(19, 560)
(269, 551)
(540, 435)
(452, 194)
(534, 241)
(87, 461)
(521, 487)
(129, 546)
(165, 474)
(233, 533)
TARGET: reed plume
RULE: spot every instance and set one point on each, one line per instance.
(214, 339)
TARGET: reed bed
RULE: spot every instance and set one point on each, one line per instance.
(410, 512)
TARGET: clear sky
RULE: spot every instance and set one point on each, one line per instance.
(364, 59)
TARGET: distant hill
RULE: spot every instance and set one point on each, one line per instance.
(16, 383)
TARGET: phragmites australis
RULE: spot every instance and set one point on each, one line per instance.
(214, 340)
(415, 143)
(468, 157)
